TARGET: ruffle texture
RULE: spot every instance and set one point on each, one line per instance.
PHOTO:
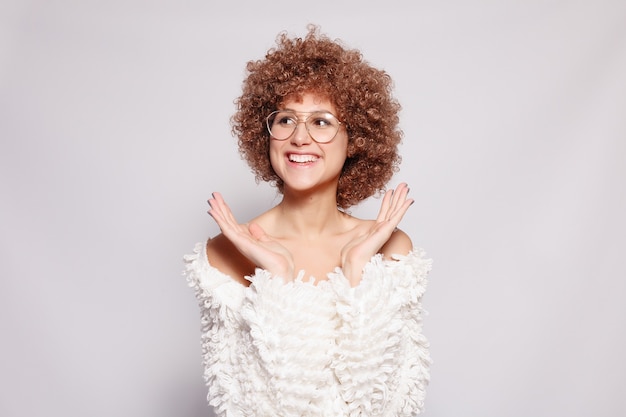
(280, 348)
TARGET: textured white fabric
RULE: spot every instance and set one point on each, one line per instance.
(280, 348)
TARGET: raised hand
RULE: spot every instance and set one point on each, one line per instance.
(252, 241)
(356, 253)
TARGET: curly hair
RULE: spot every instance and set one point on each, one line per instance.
(361, 94)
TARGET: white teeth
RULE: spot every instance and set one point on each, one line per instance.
(302, 158)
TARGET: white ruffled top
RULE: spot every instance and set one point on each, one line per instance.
(300, 349)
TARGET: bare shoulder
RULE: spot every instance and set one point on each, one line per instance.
(399, 243)
(226, 258)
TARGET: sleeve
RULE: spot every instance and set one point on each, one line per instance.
(382, 359)
(218, 297)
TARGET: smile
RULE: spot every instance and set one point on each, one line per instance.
(302, 158)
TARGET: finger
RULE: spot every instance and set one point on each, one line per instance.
(224, 210)
(218, 204)
(258, 233)
(223, 216)
(216, 210)
(384, 206)
(393, 200)
(397, 207)
(220, 220)
(400, 211)
(399, 198)
(399, 195)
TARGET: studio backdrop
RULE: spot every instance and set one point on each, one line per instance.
(114, 130)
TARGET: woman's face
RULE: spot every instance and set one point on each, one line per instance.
(301, 162)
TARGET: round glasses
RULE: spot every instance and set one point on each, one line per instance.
(322, 126)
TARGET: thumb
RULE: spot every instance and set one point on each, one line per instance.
(258, 233)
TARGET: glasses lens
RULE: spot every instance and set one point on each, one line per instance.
(281, 124)
(321, 126)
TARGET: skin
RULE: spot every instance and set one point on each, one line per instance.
(306, 231)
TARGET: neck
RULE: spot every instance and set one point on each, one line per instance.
(309, 215)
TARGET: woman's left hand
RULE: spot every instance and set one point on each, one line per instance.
(360, 250)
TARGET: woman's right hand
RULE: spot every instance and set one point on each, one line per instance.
(252, 241)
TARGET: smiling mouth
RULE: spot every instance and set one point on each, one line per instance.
(302, 159)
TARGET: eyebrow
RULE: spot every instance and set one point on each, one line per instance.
(307, 112)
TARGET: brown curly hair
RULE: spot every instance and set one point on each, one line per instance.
(361, 94)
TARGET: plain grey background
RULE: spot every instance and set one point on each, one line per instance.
(114, 131)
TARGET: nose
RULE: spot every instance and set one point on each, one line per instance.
(301, 135)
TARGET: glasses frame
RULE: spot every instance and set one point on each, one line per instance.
(298, 121)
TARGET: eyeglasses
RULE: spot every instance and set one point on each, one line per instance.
(322, 126)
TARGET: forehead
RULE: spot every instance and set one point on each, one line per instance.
(307, 102)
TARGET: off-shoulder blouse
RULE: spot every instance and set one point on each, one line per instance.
(278, 348)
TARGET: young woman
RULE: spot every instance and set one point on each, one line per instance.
(307, 310)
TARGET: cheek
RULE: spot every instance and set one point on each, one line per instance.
(346, 149)
(274, 156)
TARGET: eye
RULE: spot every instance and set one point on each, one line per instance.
(285, 119)
(322, 120)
